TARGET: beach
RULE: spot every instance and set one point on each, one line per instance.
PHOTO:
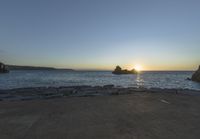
(100, 69)
(99, 112)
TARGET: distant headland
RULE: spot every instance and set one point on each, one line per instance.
(16, 67)
(6, 68)
(118, 70)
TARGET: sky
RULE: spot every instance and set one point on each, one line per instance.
(100, 34)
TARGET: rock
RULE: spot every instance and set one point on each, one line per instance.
(196, 76)
(108, 86)
(118, 70)
(189, 79)
(3, 68)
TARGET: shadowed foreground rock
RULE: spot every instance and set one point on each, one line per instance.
(139, 115)
(196, 76)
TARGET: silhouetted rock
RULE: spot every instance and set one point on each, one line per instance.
(189, 79)
(196, 76)
(118, 70)
(108, 86)
(3, 68)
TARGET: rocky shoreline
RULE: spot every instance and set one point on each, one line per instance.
(81, 91)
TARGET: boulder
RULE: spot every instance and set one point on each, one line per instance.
(108, 86)
(118, 70)
(196, 76)
(3, 68)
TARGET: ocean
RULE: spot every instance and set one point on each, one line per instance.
(57, 78)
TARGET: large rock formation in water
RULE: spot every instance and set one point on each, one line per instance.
(3, 68)
(118, 70)
(196, 76)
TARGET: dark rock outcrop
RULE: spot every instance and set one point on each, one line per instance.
(118, 70)
(3, 68)
(196, 76)
(108, 86)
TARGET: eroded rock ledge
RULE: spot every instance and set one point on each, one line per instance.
(80, 91)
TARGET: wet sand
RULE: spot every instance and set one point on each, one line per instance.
(139, 115)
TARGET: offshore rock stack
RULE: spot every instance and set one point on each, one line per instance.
(3, 68)
(196, 76)
(118, 70)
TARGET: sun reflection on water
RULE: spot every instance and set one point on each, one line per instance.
(139, 80)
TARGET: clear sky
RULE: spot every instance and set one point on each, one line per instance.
(100, 34)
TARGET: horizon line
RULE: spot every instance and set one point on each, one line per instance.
(95, 69)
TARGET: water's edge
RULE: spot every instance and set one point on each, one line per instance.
(82, 91)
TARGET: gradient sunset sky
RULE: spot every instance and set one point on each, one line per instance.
(100, 34)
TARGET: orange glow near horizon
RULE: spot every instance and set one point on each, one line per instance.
(138, 67)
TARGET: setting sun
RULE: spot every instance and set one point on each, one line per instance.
(138, 67)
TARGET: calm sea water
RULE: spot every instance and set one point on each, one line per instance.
(23, 78)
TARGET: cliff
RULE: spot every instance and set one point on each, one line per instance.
(3, 68)
(196, 76)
